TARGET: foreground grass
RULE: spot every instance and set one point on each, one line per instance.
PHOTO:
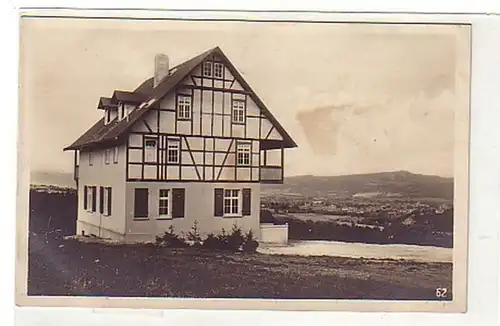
(74, 268)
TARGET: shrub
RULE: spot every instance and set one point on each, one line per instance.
(211, 242)
(236, 239)
(250, 245)
(171, 240)
(194, 236)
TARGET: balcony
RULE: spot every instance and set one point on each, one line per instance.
(271, 174)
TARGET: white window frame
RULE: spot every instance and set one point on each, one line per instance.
(107, 154)
(105, 201)
(238, 112)
(233, 197)
(148, 150)
(90, 158)
(207, 72)
(165, 198)
(121, 111)
(218, 65)
(184, 107)
(115, 155)
(173, 145)
(107, 116)
(89, 199)
(243, 154)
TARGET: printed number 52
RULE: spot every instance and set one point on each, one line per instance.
(441, 292)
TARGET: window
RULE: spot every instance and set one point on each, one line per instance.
(107, 201)
(150, 148)
(163, 204)
(115, 155)
(107, 154)
(173, 151)
(184, 107)
(231, 202)
(218, 70)
(107, 116)
(90, 158)
(243, 154)
(90, 196)
(121, 111)
(238, 111)
(207, 69)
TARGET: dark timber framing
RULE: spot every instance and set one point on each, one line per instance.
(184, 130)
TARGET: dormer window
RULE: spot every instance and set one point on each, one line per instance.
(218, 70)
(207, 69)
(121, 111)
(107, 116)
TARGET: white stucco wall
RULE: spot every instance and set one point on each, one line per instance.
(271, 233)
(100, 174)
(199, 206)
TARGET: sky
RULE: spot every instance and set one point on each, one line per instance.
(356, 98)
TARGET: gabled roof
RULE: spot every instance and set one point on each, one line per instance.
(103, 135)
(105, 103)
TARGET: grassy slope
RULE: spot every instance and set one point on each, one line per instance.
(58, 267)
(142, 270)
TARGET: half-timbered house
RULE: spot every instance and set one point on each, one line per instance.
(192, 143)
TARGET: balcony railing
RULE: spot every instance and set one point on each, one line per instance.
(271, 174)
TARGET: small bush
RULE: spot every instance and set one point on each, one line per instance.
(194, 236)
(171, 240)
(236, 239)
(212, 242)
(250, 245)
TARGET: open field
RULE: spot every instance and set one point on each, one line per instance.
(68, 267)
(74, 268)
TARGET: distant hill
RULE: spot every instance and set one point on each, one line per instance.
(384, 184)
(59, 179)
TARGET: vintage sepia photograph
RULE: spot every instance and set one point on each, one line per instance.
(308, 164)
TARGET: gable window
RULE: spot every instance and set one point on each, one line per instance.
(231, 202)
(150, 148)
(90, 158)
(243, 154)
(115, 155)
(183, 107)
(218, 70)
(207, 69)
(163, 204)
(238, 111)
(173, 151)
(107, 154)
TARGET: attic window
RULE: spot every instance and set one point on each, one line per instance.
(207, 69)
(121, 111)
(184, 107)
(218, 70)
(107, 116)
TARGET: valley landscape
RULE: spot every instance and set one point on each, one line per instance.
(385, 208)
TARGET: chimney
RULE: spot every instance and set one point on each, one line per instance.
(161, 68)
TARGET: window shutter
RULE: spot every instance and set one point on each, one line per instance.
(247, 195)
(109, 201)
(85, 204)
(178, 199)
(219, 202)
(101, 200)
(141, 202)
(94, 199)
